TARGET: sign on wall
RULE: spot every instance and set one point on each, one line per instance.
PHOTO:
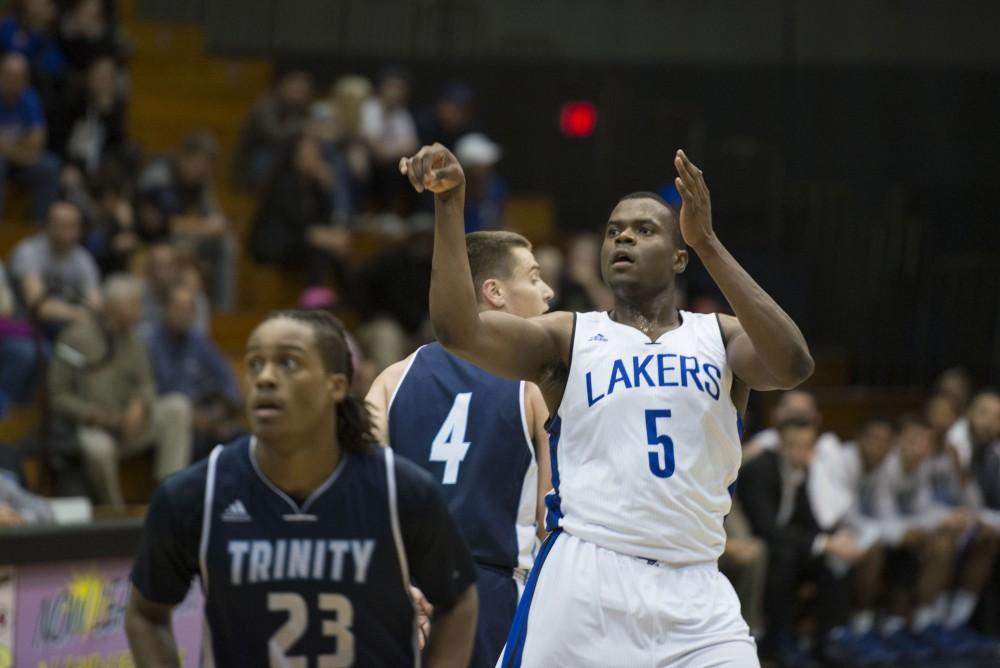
(72, 615)
(6, 617)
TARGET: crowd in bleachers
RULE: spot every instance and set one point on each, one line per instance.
(885, 540)
(107, 299)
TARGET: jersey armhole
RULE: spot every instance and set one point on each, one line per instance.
(569, 370)
(523, 401)
(734, 380)
(402, 379)
(206, 519)
(722, 333)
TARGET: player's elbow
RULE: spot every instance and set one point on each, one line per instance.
(799, 369)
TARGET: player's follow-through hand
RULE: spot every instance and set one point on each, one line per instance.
(696, 210)
(433, 168)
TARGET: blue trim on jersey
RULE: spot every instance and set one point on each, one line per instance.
(739, 425)
(552, 500)
(519, 629)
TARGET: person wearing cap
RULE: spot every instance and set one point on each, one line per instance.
(486, 191)
(450, 118)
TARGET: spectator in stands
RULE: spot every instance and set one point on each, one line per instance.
(772, 492)
(294, 225)
(276, 118)
(973, 434)
(941, 414)
(55, 277)
(974, 449)
(164, 269)
(984, 438)
(581, 287)
(451, 117)
(485, 190)
(6, 295)
(390, 133)
(956, 384)
(23, 158)
(177, 194)
(842, 494)
(87, 34)
(188, 363)
(860, 464)
(112, 237)
(17, 505)
(925, 537)
(798, 404)
(391, 295)
(28, 31)
(946, 476)
(101, 381)
(347, 96)
(744, 562)
(550, 267)
(325, 127)
(17, 350)
(95, 121)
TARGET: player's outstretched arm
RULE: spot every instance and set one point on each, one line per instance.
(454, 632)
(765, 347)
(501, 343)
(150, 635)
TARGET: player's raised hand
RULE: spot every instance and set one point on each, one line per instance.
(696, 209)
(433, 168)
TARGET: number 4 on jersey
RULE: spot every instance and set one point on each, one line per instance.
(450, 446)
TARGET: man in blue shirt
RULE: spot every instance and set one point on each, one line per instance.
(23, 158)
(189, 363)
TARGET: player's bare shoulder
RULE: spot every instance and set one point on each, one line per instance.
(559, 326)
(730, 326)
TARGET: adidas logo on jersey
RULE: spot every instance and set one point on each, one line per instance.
(598, 337)
(236, 512)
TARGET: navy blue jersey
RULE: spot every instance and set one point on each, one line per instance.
(468, 429)
(324, 581)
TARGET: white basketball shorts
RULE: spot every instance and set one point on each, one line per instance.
(585, 605)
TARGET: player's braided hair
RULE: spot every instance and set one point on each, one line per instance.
(354, 428)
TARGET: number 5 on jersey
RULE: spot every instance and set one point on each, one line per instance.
(450, 446)
(661, 446)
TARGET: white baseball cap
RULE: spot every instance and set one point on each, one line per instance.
(476, 150)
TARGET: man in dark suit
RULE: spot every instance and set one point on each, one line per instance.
(772, 491)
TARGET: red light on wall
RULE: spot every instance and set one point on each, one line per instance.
(578, 119)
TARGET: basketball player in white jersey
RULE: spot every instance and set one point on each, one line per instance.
(644, 438)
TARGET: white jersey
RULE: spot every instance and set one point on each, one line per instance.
(645, 444)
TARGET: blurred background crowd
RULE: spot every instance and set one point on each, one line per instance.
(156, 200)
